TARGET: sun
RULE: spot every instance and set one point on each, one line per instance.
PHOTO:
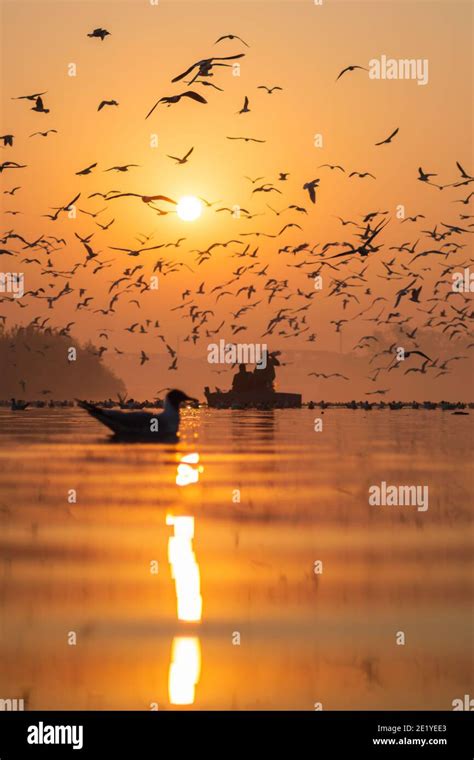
(189, 208)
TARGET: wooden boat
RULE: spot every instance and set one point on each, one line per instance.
(252, 398)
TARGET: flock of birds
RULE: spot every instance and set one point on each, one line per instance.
(352, 267)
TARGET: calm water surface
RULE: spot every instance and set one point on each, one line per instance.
(158, 603)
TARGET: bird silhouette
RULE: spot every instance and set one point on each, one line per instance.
(350, 68)
(170, 100)
(99, 33)
(231, 37)
(389, 138)
(104, 103)
(183, 160)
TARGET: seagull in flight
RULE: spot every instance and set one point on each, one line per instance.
(311, 188)
(99, 33)
(326, 377)
(246, 139)
(44, 134)
(389, 138)
(34, 96)
(39, 106)
(424, 176)
(245, 108)
(270, 90)
(204, 67)
(182, 160)
(170, 100)
(231, 37)
(145, 198)
(87, 170)
(123, 168)
(106, 103)
(350, 68)
(11, 165)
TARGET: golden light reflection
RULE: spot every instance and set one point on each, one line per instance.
(185, 669)
(186, 475)
(185, 569)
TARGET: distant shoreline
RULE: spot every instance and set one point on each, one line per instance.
(351, 405)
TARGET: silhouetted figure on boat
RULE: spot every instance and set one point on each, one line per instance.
(263, 378)
(243, 380)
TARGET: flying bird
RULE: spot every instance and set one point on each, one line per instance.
(245, 108)
(11, 165)
(335, 166)
(34, 96)
(44, 134)
(204, 67)
(326, 377)
(39, 106)
(389, 138)
(145, 198)
(87, 170)
(350, 68)
(424, 176)
(246, 139)
(176, 98)
(361, 175)
(311, 188)
(123, 168)
(104, 103)
(182, 160)
(231, 37)
(99, 33)
(270, 90)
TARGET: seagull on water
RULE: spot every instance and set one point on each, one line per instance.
(160, 427)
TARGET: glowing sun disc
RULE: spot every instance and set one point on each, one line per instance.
(189, 208)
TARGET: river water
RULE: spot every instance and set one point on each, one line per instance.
(242, 568)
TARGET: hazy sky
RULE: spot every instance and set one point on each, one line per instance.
(297, 45)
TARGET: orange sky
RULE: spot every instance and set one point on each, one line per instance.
(297, 45)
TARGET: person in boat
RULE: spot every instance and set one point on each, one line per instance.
(263, 379)
(242, 381)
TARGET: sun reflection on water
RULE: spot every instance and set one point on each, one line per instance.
(186, 475)
(185, 669)
(185, 569)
